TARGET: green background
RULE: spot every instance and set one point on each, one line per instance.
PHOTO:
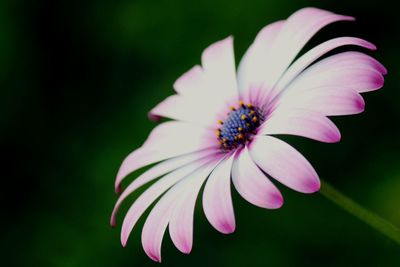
(77, 79)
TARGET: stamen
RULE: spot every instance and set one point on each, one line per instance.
(239, 126)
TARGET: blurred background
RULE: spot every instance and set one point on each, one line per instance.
(77, 79)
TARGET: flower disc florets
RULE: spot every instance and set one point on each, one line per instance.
(239, 126)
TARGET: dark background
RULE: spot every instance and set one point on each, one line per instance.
(77, 79)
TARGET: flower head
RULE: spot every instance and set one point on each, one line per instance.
(224, 126)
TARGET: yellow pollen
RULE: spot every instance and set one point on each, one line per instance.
(252, 113)
(240, 136)
(243, 117)
(249, 105)
(232, 108)
(254, 119)
(240, 129)
(220, 122)
(241, 103)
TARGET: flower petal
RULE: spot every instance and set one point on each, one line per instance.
(203, 91)
(255, 60)
(181, 222)
(151, 194)
(305, 60)
(167, 140)
(193, 110)
(157, 222)
(284, 164)
(218, 62)
(164, 211)
(191, 82)
(330, 101)
(217, 200)
(155, 172)
(350, 71)
(301, 122)
(294, 34)
(252, 184)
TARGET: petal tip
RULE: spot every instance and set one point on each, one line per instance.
(334, 137)
(227, 228)
(216, 48)
(360, 104)
(379, 81)
(185, 249)
(124, 238)
(313, 186)
(153, 117)
(277, 201)
(118, 189)
(154, 257)
(113, 222)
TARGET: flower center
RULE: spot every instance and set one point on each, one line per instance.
(239, 126)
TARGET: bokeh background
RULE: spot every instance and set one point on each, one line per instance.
(77, 79)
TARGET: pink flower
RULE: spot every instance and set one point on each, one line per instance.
(224, 124)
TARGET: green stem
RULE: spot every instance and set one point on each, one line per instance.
(370, 218)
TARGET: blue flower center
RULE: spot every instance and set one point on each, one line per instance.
(239, 126)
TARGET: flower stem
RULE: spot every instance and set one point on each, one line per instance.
(370, 218)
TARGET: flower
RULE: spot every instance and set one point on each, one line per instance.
(225, 124)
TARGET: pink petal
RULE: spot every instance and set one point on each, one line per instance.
(203, 92)
(217, 200)
(155, 172)
(284, 163)
(341, 71)
(255, 60)
(167, 140)
(218, 62)
(329, 101)
(151, 194)
(157, 222)
(301, 122)
(305, 60)
(295, 33)
(353, 58)
(190, 82)
(187, 109)
(252, 184)
(181, 222)
(167, 209)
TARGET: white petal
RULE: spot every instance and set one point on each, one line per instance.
(329, 100)
(254, 62)
(167, 140)
(301, 122)
(284, 164)
(151, 194)
(169, 209)
(252, 184)
(181, 222)
(305, 60)
(218, 62)
(155, 172)
(217, 200)
(290, 39)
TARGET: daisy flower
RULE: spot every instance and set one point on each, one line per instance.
(225, 123)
